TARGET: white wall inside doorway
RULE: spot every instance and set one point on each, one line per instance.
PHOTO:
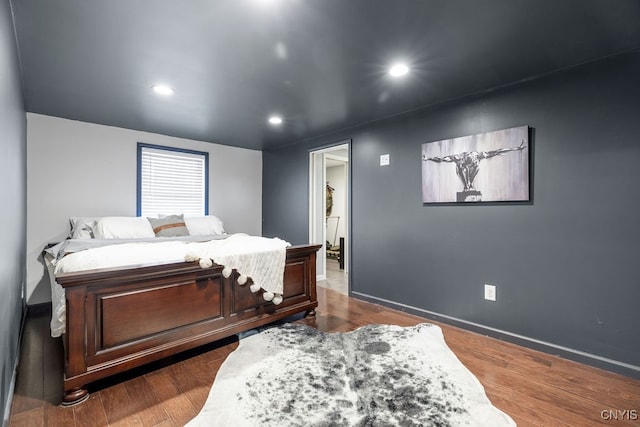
(329, 166)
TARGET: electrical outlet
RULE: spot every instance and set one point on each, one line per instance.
(490, 292)
(384, 160)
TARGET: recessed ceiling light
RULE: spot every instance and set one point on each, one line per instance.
(398, 70)
(162, 89)
(275, 120)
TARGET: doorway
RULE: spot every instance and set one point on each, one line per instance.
(329, 213)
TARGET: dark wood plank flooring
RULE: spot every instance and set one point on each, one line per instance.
(534, 388)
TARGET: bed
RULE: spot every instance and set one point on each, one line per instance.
(118, 318)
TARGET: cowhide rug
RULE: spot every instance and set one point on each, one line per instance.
(378, 375)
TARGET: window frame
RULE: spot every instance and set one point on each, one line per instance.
(142, 145)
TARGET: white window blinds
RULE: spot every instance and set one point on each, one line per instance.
(171, 181)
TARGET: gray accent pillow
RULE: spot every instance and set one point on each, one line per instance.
(169, 226)
(82, 227)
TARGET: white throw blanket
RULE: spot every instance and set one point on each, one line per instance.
(262, 260)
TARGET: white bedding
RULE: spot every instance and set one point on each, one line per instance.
(258, 258)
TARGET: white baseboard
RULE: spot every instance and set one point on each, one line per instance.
(547, 347)
(320, 277)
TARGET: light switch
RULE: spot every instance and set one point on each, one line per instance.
(384, 160)
(490, 292)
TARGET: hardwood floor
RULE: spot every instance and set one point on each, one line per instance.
(534, 388)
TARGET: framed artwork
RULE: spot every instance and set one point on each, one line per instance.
(486, 167)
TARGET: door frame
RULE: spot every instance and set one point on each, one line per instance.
(317, 204)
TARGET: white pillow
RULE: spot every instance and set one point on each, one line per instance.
(204, 225)
(123, 227)
(82, 227)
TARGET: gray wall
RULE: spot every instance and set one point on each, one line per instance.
(565, 265)
(13, 195)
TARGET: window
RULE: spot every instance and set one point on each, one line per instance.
(172, 181)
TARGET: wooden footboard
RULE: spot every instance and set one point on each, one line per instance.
(124, 318)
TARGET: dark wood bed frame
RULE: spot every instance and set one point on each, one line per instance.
(118, 319)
